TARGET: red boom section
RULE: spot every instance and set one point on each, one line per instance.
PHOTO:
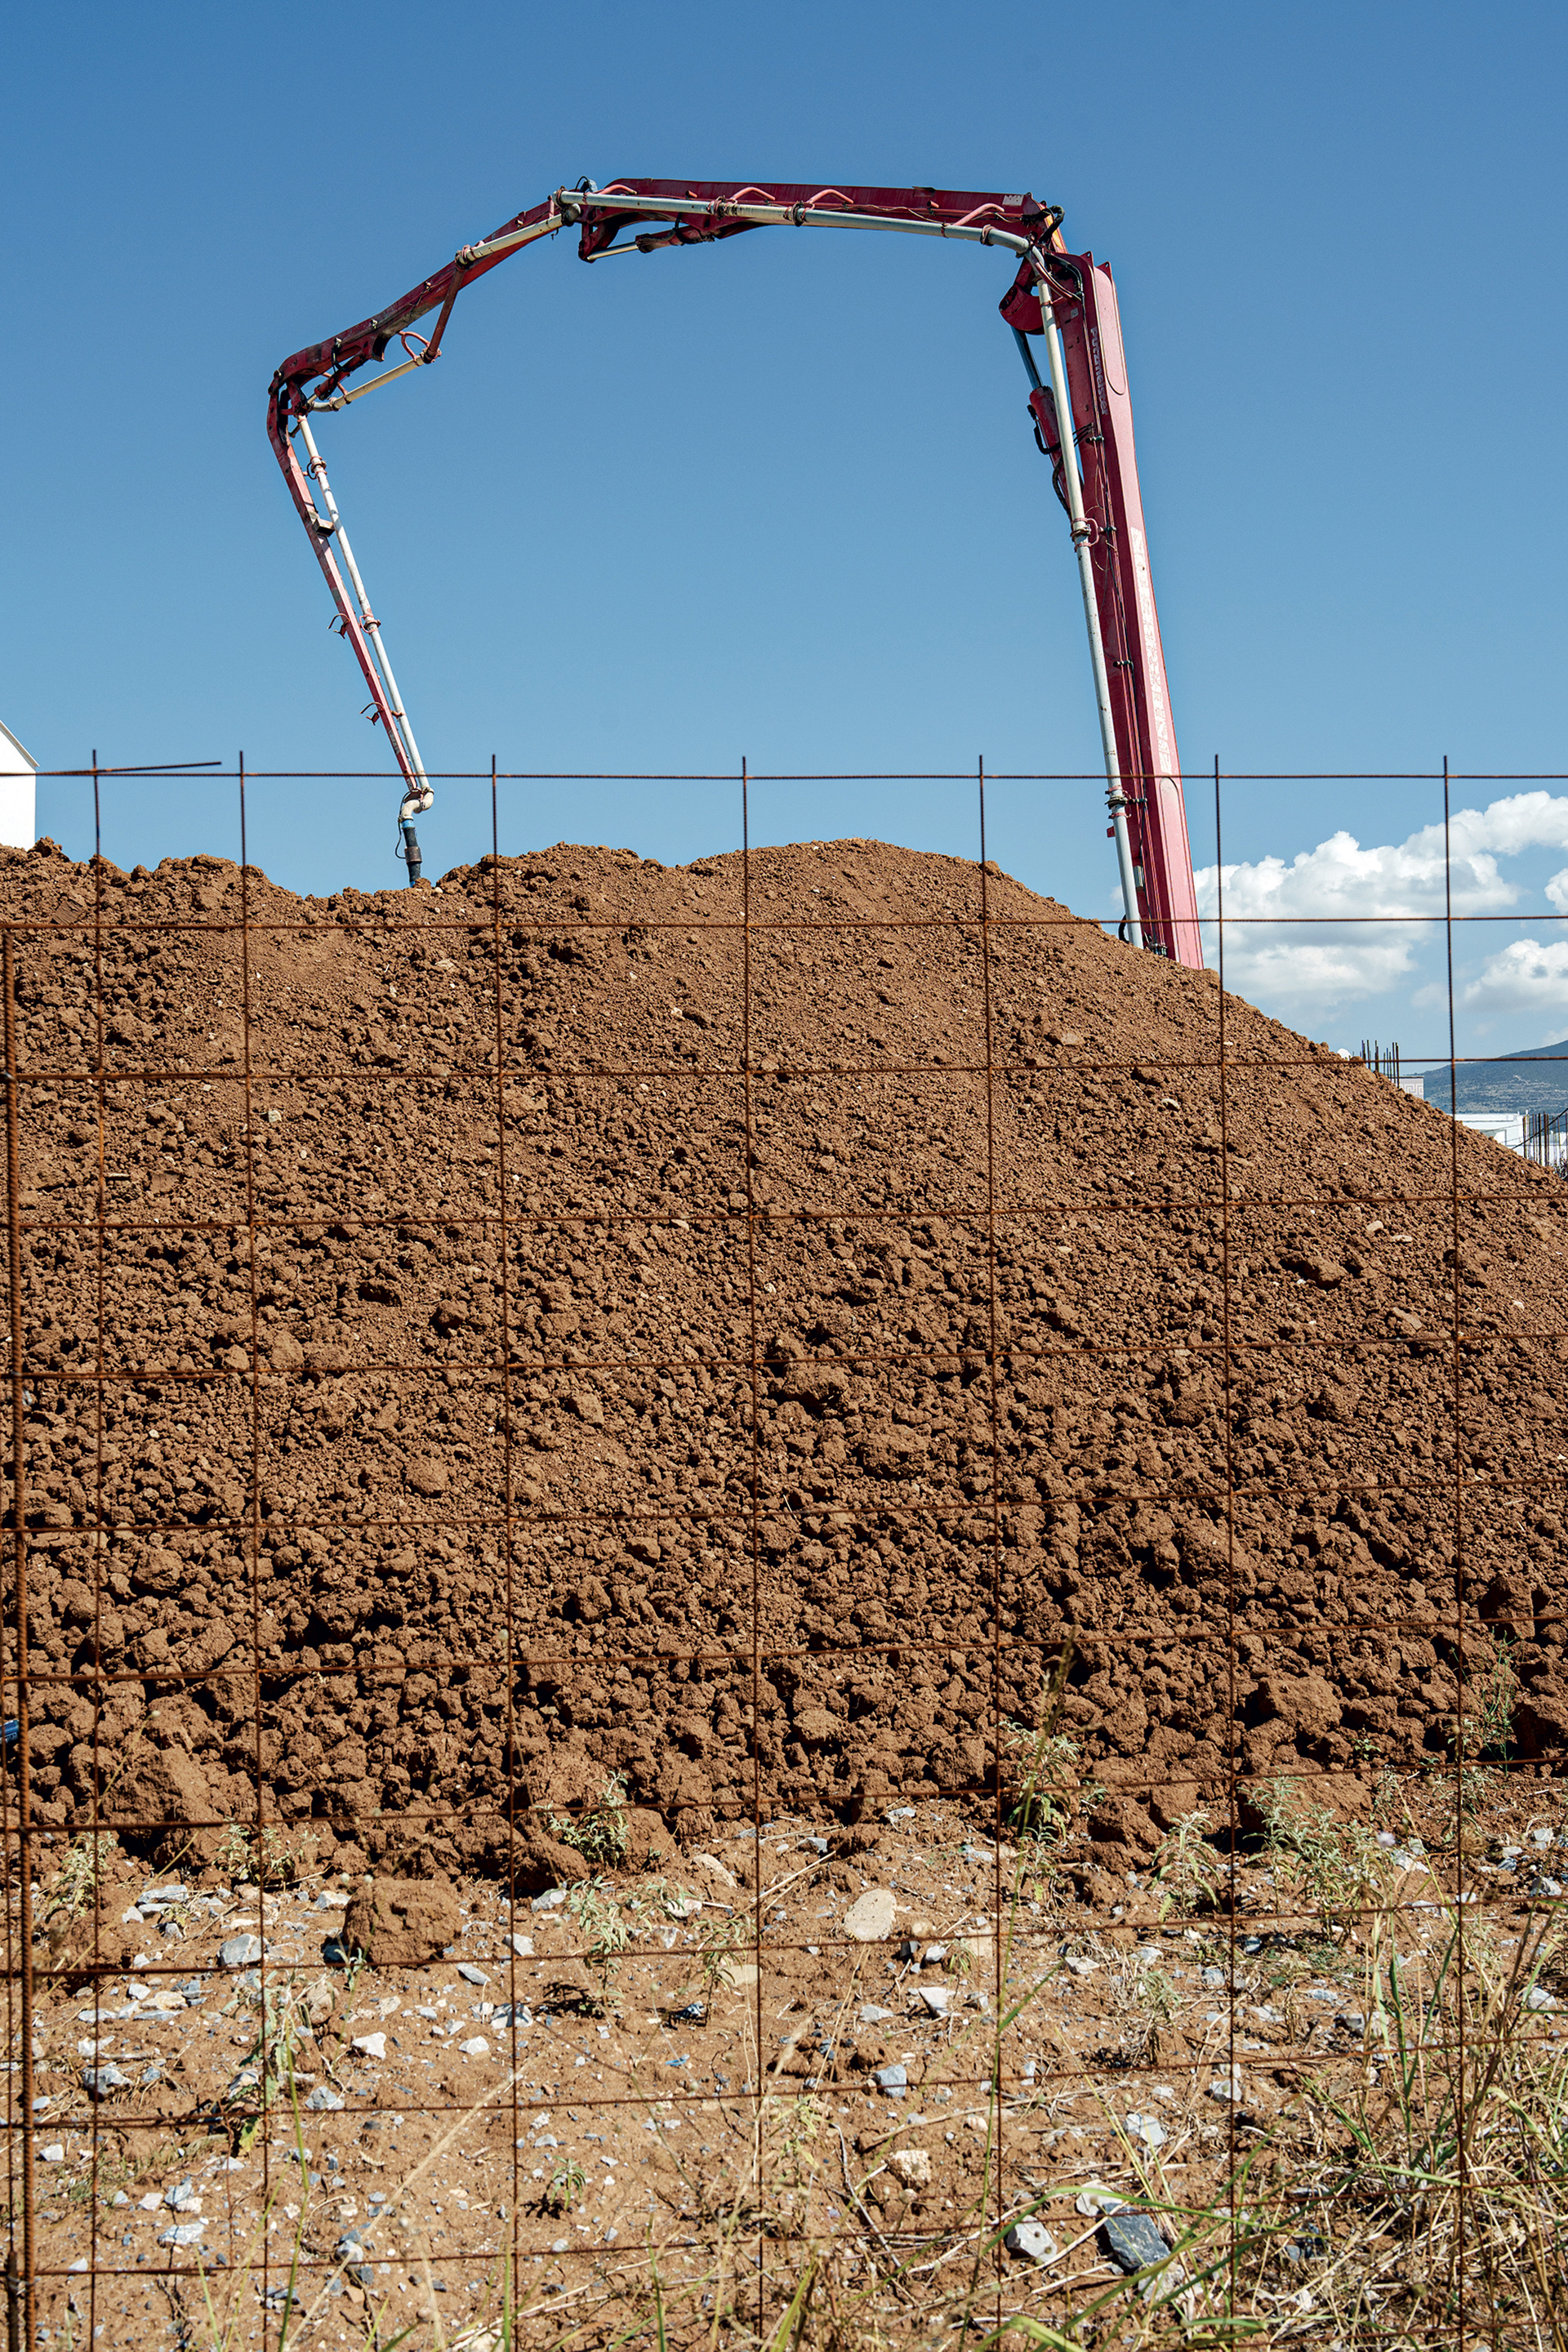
(702, 212)
(1083, 298)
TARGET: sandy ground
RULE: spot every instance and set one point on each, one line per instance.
(508, 2111)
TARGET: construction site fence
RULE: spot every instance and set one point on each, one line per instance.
(54, 1337)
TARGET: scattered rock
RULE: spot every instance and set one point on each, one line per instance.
(1132, 2239)
(161, 1898)
(869, 1918)
(1317, 1266)
(686, 2006)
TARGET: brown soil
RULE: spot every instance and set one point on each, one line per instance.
(750, 1409)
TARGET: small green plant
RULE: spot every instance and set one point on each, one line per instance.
(600, 1834)
(1044, 1766)
(1157, 1996)
(651, 1902)
(1336, 1867)
(1044, 1773)
(604, 1931)
(233, 1856)
(1184, 1865)
(1485, 1730)
(1478, 1785)
(265, 2072)
(1151, 1999)
(70, 1890)
(717, 1945)
(279, 1857)
(564, 2185)
(1498, 1696)
(798, 2154)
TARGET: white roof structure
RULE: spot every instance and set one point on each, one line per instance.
(1504, 1127)
(18, 792)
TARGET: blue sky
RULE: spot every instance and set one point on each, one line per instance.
(780, 499)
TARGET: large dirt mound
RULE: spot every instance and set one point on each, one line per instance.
(751, 1408)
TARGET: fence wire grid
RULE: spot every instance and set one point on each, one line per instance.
(1147, 2043)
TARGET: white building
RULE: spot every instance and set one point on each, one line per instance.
(18, 793)
(1504, 1127)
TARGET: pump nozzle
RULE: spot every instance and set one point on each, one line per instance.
(416, 801)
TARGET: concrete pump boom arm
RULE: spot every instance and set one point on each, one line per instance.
(1068, 301)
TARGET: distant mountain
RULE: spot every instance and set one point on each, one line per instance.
(1536, 1078)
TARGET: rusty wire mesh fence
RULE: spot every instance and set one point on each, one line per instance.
(993, 1442)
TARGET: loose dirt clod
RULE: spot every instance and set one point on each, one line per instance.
(401, 1923)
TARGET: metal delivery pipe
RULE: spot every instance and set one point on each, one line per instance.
(1115, 798)
(368, 621)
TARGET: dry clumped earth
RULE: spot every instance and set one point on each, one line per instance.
(499, 1394)
(493, 1367)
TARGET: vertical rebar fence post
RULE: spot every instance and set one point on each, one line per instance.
(509, 1529)
(100, 1318)
(19, 2290)
(999, 1942)
(100, 1278)
(1233, 1802)
(1462, 1727)
(253, 1502)
(755, 1530)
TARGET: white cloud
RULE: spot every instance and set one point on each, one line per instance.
(1331, 944)
(1526, 980)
